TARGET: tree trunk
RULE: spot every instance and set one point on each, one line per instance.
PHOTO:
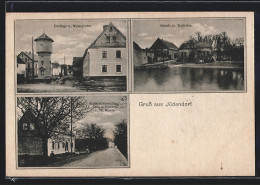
(45, 148)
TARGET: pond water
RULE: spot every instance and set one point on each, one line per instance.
(188, 79)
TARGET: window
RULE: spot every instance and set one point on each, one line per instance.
(118, 68)
(42, 63)
(35, 65)
(108, 39)
(114, 38)
(118, 54)
(42, 72)
(53, 145)
(63, 144)
(17, 65)
(104, 68)
(58, 145)
(110, 29)
(25, 126)
(31, 126)
(25, 59)
(104, 54)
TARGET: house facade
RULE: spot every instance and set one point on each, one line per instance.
(139, 55)
(56, 69)
(196, 51)
(163, 50)
(27, 58)
(21, 67)
(107, 55)
(30, 144)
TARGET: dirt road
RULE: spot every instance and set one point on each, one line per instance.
(109, 157)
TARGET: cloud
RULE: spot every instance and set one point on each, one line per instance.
(204, 29)
(142, 34)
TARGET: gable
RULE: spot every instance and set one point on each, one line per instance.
(158, 44)
(110, 37)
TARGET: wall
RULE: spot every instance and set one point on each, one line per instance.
(61, 149)
(29, 146)
(21, 69)
(96, 62)
(44, 46)
(46, 58)
(139, 57)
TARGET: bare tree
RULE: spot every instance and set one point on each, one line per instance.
(50, 114)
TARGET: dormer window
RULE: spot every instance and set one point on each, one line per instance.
(114, 38)
(110, 29)
(108, 39)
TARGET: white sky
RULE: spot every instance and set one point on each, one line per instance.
(68, 42)
(145, 32)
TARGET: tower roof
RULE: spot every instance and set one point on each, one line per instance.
(43, 37)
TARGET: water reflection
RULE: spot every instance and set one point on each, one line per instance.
(188, 79)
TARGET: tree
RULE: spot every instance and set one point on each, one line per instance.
(95, 136)
(50, 114)
(120, 136)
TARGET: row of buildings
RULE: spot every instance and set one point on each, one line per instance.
(198, 51)
(39, 65)
(25, 62)
(106, 56)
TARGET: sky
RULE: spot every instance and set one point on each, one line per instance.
(106, 119)
(68, 41)
(145, 32)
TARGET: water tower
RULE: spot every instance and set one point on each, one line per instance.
(44, 51)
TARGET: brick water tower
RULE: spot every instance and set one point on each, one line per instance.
(44, 51)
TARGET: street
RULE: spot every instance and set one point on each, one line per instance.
(109, 157)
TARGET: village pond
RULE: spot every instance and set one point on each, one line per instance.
(179, 78)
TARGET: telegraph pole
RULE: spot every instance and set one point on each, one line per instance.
(32, 61)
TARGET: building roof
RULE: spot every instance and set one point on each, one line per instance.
(77, 61)
(29, 55)
(160, 43)
(43, 37)
(104, 30)
(19, 60)
(195, 45)
(136, 46)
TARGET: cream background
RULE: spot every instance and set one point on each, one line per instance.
(218, 130)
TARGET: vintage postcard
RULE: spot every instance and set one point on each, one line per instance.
(130, 94)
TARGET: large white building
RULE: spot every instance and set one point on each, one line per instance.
(107, 55)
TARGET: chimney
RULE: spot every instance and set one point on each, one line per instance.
(105, 27)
